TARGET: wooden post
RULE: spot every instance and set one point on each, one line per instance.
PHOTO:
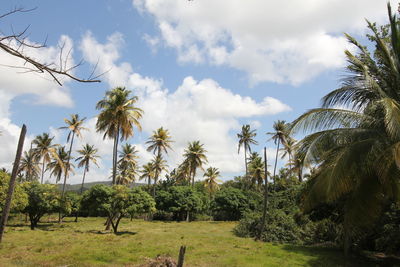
(265, 204)
(181, 257)
(7, 205)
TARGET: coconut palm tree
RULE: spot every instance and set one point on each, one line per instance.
(43, 150)
(118, 116)
(246, 138)
(195, 157)
(74, 126)
(211, 180)
(356, 149)
(30, 166)
(127, 164)
(256, 171)
(147, 173)
(159, 165)
(280, 137)
(88, 154)
(160, 141)
(60, 164)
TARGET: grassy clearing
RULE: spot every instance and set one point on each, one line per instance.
(208, 244)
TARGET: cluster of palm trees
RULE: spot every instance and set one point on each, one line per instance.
(254, 164)
(118, 116)
(45, 156)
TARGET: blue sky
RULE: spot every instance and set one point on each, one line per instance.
(201, 68)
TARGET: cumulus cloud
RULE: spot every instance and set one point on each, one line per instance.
(277, 41)
(196, 110)
(15, 82)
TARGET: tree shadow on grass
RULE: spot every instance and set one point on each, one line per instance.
(106, 232)
(323, 256)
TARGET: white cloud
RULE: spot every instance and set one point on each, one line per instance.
(279, 41)
(16, 82)
(196, 110)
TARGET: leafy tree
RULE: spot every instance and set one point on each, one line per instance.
(117, 117)
(70, 205)
(118, 201)
(180, 200)
(44, 149)
(246, 137)
(195, 157)
(94, 199)
(30, 166)
(19, 198)
(230, 204)
(87, 154)
(42, 199)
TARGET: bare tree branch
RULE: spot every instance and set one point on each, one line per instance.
(14, 44)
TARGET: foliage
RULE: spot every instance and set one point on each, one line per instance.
(180, 200)
(117, 201)
(70, 204)
(19, 199)
(230, 204)
(42, 199)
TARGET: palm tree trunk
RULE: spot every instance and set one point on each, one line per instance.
(265, 203)
(115, 154)
(66, 174)
(41, 181)
(245, 159)
(194, 174)
(276, 160)
(83, 179)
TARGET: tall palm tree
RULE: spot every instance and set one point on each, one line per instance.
(74, 126)
(195, 157)
(158, 142)
(246, 138)
(211, 180)
(356, 150)
(118, 116)
(159, 165)
(60, 164)
(30, 165)
(182, 175)
(43, 150)
(279, 136)
(147, 172)
(88, 154)
(127, 164)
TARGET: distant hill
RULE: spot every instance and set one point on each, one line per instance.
(87, 186)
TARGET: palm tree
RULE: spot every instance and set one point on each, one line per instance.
(245, 139)
(158, 142)
(43, 150)
(147, 173)
(211, 181)
(117, 117)
(60, 164)
(159, 165)
(279, 136)
(88, 154)
(127, 164)
(356, 149)
(30, 166)
(195, 157)
(256, 170)
(74, 126)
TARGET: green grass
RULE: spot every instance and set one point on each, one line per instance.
(208, 244)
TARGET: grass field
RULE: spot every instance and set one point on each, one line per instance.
(208, 244)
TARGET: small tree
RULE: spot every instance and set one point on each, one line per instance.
(20, 198)
(42, 199)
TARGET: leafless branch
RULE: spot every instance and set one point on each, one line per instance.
(14, 44)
